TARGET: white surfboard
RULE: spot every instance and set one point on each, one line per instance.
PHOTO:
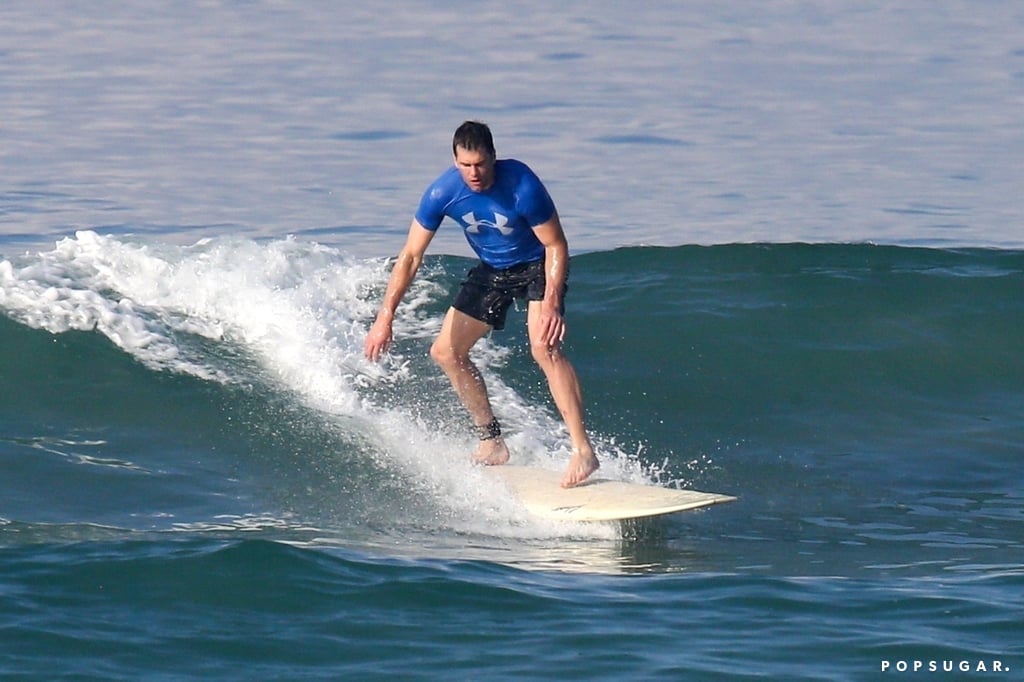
(596, 499)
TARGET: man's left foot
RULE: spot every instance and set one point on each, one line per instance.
(581, 466)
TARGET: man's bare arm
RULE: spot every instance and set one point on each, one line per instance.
(556, 270)
(408, 262)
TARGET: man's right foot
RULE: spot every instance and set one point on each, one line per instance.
(492, 452)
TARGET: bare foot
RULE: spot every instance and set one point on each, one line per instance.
(491, 452)
(581, 465)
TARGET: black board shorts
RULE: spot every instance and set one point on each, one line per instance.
(487, 292)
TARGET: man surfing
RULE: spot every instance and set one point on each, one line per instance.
(511, 223)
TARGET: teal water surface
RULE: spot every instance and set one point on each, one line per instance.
(192, 490)
(201, 478)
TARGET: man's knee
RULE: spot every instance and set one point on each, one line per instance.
(545, 355)
(440, 354)
(444, 355)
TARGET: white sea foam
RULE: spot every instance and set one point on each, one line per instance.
(295, 306)
(300, 311)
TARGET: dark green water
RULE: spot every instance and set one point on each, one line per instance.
(201, 478)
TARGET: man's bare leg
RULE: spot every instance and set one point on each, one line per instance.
(568, 397)
(451, 352)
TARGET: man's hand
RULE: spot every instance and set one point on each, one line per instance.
(552, 325)
(378, 339)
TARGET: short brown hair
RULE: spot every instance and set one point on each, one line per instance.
(474, 136)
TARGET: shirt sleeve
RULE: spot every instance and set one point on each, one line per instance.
(536, 207)
(432, 205)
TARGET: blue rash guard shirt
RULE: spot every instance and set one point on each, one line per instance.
(498, 222)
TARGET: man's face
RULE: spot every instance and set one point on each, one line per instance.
(476, 168)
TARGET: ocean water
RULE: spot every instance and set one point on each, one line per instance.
(797, 275)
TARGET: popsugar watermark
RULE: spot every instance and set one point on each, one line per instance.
(948, 665)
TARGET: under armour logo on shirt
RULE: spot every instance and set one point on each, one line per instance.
(499, 223)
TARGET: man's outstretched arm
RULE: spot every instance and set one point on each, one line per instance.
(408, 262)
